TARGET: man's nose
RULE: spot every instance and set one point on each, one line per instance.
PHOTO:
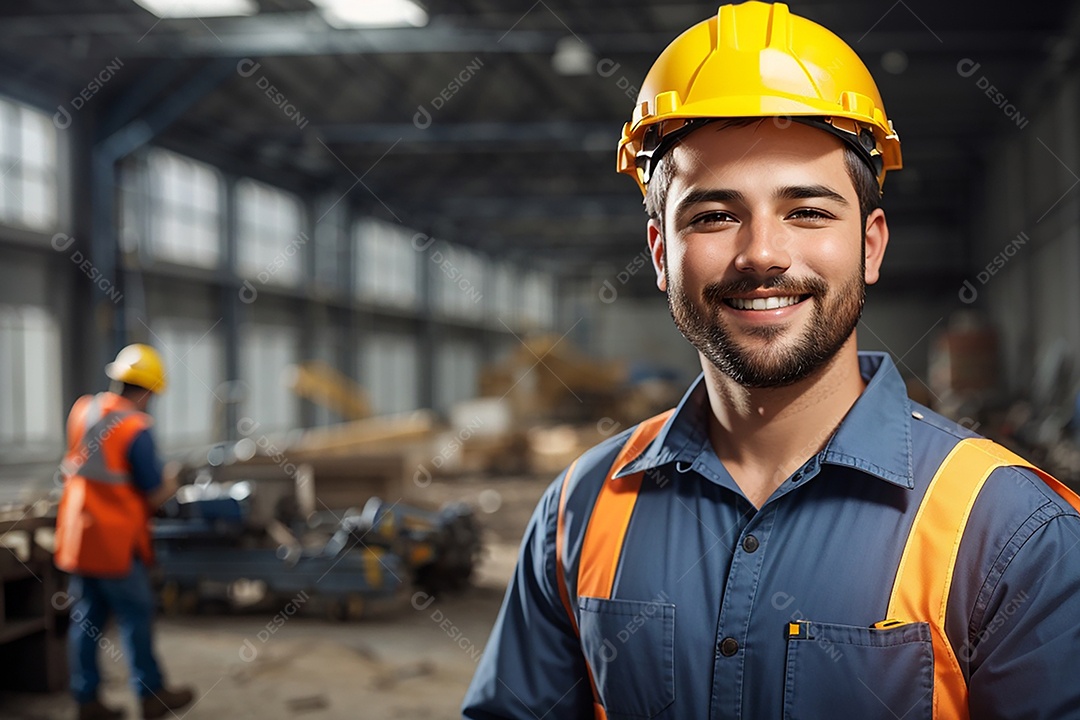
(764, 248)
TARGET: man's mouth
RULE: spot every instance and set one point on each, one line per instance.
(773, 302)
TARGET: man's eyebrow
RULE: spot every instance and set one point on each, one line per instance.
(807, 192)
(708, 195)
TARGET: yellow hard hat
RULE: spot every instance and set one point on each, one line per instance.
(140, 365)
(757, 60)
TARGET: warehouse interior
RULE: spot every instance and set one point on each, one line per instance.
(384, 253)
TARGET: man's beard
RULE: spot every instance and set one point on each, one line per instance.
(783, 363)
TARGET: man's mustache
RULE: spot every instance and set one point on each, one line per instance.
(717, 291)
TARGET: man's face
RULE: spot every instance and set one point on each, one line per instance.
(761, 251)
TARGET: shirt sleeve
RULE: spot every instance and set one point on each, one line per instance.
(532, 665)
(1026, 650)
(146, 467)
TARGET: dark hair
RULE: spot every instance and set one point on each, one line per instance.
(862, 177)
(128, 389)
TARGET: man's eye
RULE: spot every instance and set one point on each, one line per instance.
(809, 214)
(712, 218)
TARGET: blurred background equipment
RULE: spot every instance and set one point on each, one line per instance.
(321, 383)
(209, 542)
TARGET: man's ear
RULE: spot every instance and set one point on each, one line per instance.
(656, 250)
(877, 238)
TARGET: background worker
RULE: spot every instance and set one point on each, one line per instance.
(113, 482)
(797, 538)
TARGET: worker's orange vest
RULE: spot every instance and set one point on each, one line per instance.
(103, 521)
(921, 588)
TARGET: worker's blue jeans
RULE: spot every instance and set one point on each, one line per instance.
(131, 601)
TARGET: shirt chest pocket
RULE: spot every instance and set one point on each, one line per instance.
(858, 672)
(630, 646)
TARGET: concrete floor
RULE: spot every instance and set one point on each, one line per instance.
(413, 661)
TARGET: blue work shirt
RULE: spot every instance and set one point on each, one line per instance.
(697, 623)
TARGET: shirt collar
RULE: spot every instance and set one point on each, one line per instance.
(874, 437)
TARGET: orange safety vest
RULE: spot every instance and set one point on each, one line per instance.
(921, 588)
(103, 520)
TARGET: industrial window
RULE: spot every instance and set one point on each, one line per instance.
(132, 200)
(538, 300)
(266, 353)
(28, 172)
(521, 298)
(191, 412)
(457, 369)
(390, 372)
(185, 210)
(30, 380)
(270, 242)
(386, 263)
(458, 281)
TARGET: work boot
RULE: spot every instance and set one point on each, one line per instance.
(95, 710)
(163, 700)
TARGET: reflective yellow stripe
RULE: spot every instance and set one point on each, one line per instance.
(924, 577)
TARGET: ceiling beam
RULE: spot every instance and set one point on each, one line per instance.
(307, 33)
(554, 135)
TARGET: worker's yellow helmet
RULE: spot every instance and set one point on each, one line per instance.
(140, 365)
(757, 60)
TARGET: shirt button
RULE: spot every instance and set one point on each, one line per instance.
(750, 543)
(729, 646)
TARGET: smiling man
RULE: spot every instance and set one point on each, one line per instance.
(759, 240)
(829, 548)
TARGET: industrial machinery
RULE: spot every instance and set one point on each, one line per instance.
(323, 511)
(217, 536)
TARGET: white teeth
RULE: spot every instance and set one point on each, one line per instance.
(769, 303)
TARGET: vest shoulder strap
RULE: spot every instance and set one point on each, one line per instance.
(605, 531)
(924, 577)
(602, 546)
